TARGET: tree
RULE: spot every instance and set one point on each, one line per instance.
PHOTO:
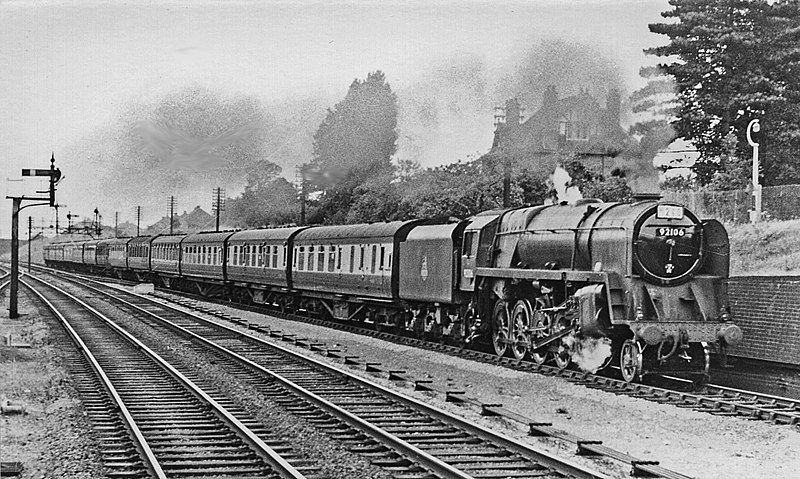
(267, 199)
(736, 60)
(592, 184)
(354, 144)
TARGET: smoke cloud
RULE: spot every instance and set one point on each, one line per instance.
(589, 354)
(446, 114)
(185, 143)
(564, 192)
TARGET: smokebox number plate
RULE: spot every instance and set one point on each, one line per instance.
(671, 232)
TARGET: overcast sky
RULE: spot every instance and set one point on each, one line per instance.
(69, 67)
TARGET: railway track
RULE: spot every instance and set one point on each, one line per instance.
(152, 420)
(713, 399)
(407, 438)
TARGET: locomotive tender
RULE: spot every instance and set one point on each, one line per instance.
(642, 283)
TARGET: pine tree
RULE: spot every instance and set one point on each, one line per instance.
(722, 76)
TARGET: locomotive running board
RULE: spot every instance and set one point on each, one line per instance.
(547, 274)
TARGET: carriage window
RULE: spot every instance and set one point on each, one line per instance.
(235, 256)
(352, 257)
(383, 257)
(208, 255)
(339, 259)
(361, 258)
(466, 249)
(390, 261)
(321, 259)
(332, 258)
(241, 256)
(301, 259)
(260, 255)
(374, 257)
(275, 256)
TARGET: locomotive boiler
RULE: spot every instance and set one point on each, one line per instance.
(644, 280)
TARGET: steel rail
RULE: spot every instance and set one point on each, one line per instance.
(434, 464)
(720, 400)
(145, 452)
(278, 463)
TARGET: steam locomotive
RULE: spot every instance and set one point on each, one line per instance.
(637, 286)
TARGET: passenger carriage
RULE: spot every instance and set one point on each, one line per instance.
(89, 259)
(349, 272)
(53, 254)
(202, 263)
(73, 253)
(257, 265)
(117, 253)
(138, 254)
(165, 255)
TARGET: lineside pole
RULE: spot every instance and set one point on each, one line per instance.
(30, 228)
(13, 313)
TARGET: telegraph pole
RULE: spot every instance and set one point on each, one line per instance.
(138, 218)
(172, 205)
(116, 224)
(218, 203)
(16, 207)
(302, 179)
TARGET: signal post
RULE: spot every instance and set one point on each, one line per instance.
(55, 176)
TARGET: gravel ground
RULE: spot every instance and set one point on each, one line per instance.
(53, 438)
(692, 443)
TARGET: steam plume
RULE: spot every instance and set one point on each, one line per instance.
(561, 180)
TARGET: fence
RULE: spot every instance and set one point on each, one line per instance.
(777, 202)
